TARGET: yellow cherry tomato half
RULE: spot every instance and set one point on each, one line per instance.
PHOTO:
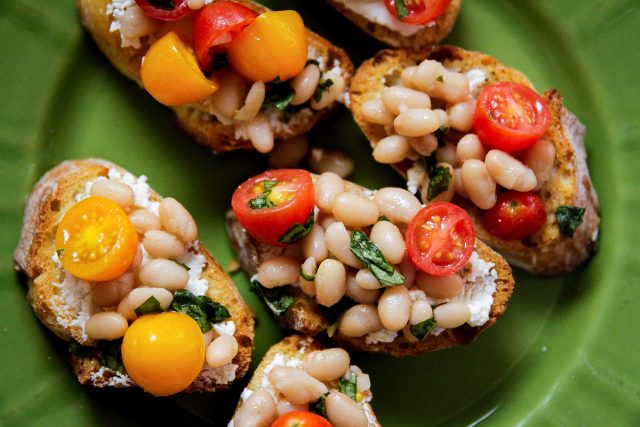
(163, 353)
(273, 45)
(95, 240)
(170, 73)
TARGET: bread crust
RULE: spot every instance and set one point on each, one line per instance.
(547, 252)
(195, 118)
(428, 35)
(51, 197)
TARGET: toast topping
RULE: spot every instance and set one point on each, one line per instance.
(375, 11)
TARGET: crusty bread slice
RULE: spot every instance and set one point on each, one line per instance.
(63, 309)
(429, 35)
(305, 315)
(547, 252)
(294, 347)
(195, 118)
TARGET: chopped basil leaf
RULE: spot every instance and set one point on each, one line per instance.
(349, 386)
(297, 231)
(151, 305)
(202, 309)
(162, 4)
(370, 255)
(312, 61)
(331, 328)
(76, 348)
(438, 182)
(60, 252)
(112, 358)
(401, 9)
(569, 218)
(382, 218)
(307, 276)
(262, 201)
(279, 94)
(333, 313)
(277, 299)
(423, 329)
(440, 78)
(219, 61)
(107, 352)
(440, 136)
(185, 266)
(318, 407)
(323, 85)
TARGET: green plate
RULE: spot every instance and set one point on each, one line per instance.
(566, 352)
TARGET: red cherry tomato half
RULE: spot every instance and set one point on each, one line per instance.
(165, 10)
(301, 419)
(515, 215)
(216, 25)
(440, 239)
(510, 117)
(270, 204)
(419, 11)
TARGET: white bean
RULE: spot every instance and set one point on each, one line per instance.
(355, 210)
(360, 294)
(279, 271)
(230, 94)
(455, 88)
(160, 244)
(461, 115)
(327, 187)
(134, 23)
(443, 117)
(359, 320)
(325, 220)
(426, 75)
(342, 411)
(397, 204)
(335, 161)
(374, 111)
(367, 280)
(338, 242)
(305, 84)
(388, 238)
(162, 273)
(447, 153)
(177, 220)
(469, 147)
(195, 4)
(420, 311)
(288, 153)
(326, 365)
(391, 149)
(283, 407)
(406, 77)
(459, 184)
(314, 245)
(416, 122)
(540, 158)
(407, 269)
(424, 145)
(451, 315)
(394, 308)
(478, 184)
(252, 103)
(118, 192)
(440, 287)
(397, 99)
(109, 293)
(296, 385)
(259, 410)
(310, 267)
(330, 95)
(260, 133)
(139, 296)
(221, 351)
(107, 325)
(331, 282)
(144, 220)
(509, 172)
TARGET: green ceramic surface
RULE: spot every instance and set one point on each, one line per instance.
(566, 352)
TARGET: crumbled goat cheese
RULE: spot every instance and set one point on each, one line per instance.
(416, 175)
(196, 262)
(72, 303)
(246, 393)
(117, 9)
(382, 335)
(112, 378)
(222, 375)
(279, 359)
(141, 190)
(476, 79)
(376, 11)
(225, 328)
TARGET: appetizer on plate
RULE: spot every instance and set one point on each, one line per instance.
(459, 125)
(119, 272)
(236, 74)
(377, 270)
(299, 381)
(402, 23)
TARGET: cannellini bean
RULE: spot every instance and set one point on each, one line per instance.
(310, 267)
(296, 385)
(447, 153)
(162, 273)
(451, 315)
(509, 172)
(359, 320)
(406, 77)
(394, 308)
(259, 410)
(461, 115)
(391, 149)
(469, 147)
(366, 279)
(338, 242)
(335, 161)
(424, 145)
(388, 238)
(327, 187)
(305, 84)
(144, 220)
(407, 269)
(479, 184)
(115, 191)
(448, 193)
(314, 245)
(330, 95)
(540, 158)
(397, 99)
(279, 271)
(230, 94)
(374, 111)
(288, 153)
(139, 296)
(459, 184)
(160, 244)
(440, 287)
(134, 23)
(326, 365)
(416, 122)
(342, 411)
(360, 294)
(252, 103)
(260, 133)
(455, 88)
(325, 220)
(221, 351)
(111, 292)
(425, 77)
(442, 116)
(420, 311)
(364, 382)
(397, 204)
(355, 210)
(331, 282)
(195, 4)
(177, 220)
(108, 325)
(283, 407)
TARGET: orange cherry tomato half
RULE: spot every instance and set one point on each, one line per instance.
(95, 240)
(515, 215)
(216, 25)
(163, 353)
(165, 10)
(273, 46)
(510, 117)
(301, 419)
(170, 73)
(419, 11)
(270, 204)
(440, 239)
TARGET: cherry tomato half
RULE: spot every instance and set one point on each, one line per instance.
(419, 11)
(515, 215)
(510, 117)
(269, 204)
(440, 239)
(216, 25)
(301, 419)
(165, 10)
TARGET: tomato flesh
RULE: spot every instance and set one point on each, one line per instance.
(515, 215)
(510, 117)
(301, 419)
(269, 204)
(440, 239)
(165, 10)
(419, 12)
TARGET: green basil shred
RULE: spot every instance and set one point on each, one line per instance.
(151, 305)
(370, 255)
(401, 9)
(205, 311)
(278, 94)
(185, 266)
(349, 386)
(323, 85)
(277, 299)
(107, 352)
(569, 218)
(297, 231)
(439, 180)
(307, 276)
(440, 78)
(318, 406)
(423, 329)
(262, 201)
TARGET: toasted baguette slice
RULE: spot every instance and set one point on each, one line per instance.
(306, 316)
(548, 252)
(429, 34)
(63, 308)
(290, 352)
(195, 119)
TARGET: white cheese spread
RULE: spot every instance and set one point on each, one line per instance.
(382, 335)
(376, 11)
(476, 78)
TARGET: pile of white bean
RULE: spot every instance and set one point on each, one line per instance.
(165, 237)
(293, 389)
(326, 254)
(406, 113)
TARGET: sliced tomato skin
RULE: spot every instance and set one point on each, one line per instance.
(515, 215)
(180, 10)
(419, 12)
(454, 234)
(300, 419)
(269, 224)
(510, 117)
